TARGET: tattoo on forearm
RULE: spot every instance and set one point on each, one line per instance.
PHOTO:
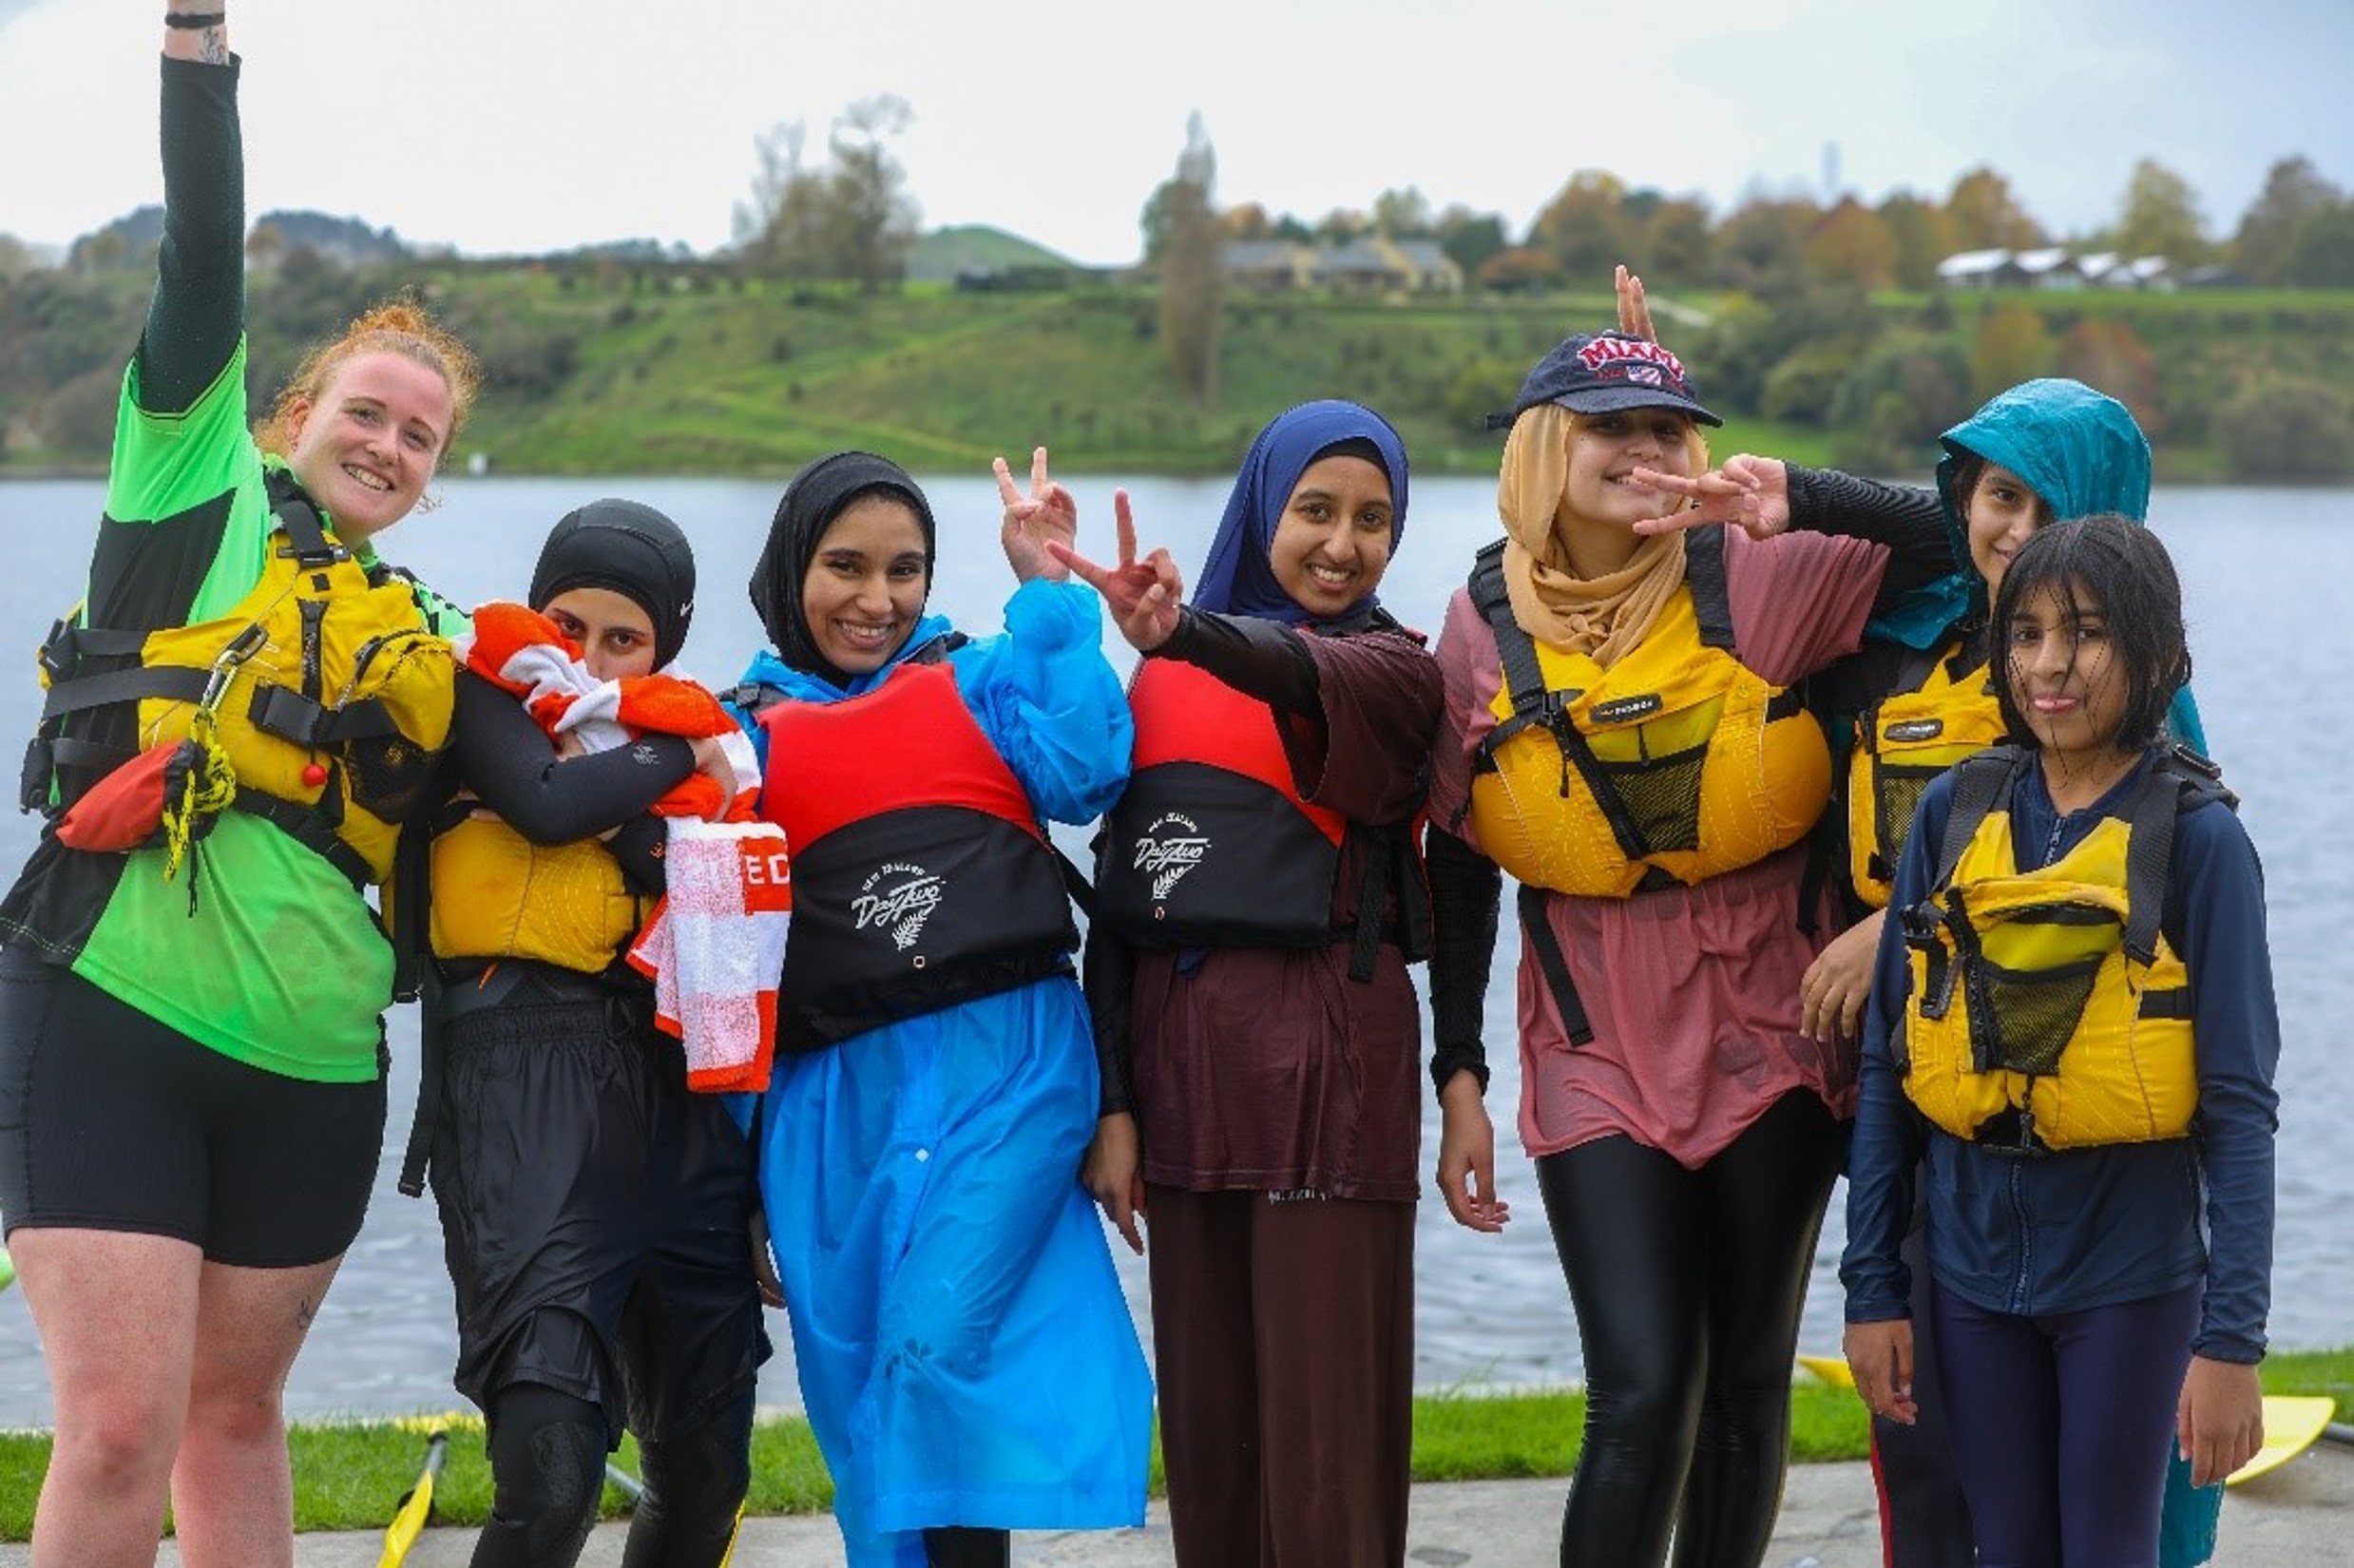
(213, 45)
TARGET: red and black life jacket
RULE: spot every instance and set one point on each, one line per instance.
(1211, 844)
(921, 877)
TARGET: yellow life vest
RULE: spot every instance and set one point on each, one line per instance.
(2048, 1010)
(496, 895)
(1674, 765)
(1940, 716)
(330, 696)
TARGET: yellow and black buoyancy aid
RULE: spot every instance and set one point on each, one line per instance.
(1942, 710)
(2048, 1010)
(328, 694)
(1676, 764)
(496, 895)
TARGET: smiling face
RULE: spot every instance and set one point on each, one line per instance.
(1606, 448)
(2002, 514)
(366, 447)
(866, 585)
(1333, 542)
(615, 633)
(2066, 679)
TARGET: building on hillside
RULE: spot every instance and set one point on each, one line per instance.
(2049, 268)
(1370, 265)
(1276, 266)
(2110, 269)
(1980, 270)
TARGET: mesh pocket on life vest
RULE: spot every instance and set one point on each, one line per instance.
(1661, 798)
(1899, 790)
(386, 774)
(2023, 1020)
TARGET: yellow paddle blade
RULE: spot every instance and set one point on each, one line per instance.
(1831, 1369)
(2291, 1422)
(7, 1270)
(415, 1506)
(430, 1422)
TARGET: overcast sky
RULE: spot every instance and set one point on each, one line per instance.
(513, 125)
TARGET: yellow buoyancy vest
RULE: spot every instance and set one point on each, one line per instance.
(496, 895)
(330, 695)
(1676, 763)
(1903, 742)
(2047, 1008)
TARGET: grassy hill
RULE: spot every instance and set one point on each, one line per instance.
(614, 365)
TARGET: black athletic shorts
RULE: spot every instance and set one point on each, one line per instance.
(595, 1212)
(112, 1122)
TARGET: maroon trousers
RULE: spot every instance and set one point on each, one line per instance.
(1283, 1334)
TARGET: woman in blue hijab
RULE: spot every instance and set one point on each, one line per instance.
(1258, 902)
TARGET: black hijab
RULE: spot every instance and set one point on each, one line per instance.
(818, 494)
(632, 550)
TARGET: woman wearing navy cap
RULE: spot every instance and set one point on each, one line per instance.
(1625, 735)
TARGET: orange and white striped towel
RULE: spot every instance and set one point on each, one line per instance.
(715, 946)
(716, 943)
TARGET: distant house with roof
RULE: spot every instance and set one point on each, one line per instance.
(1371, 265)
(2053, 267)
(1272, 265)
(1980, 270)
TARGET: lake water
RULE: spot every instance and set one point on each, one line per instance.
(2269, 576)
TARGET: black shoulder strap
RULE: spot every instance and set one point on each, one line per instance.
(1704, 574)
(1523, 676)
(1554, 964)
(298, 515)
(1981, 782)
(2181, 780)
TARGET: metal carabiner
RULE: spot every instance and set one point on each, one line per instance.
(241, 647)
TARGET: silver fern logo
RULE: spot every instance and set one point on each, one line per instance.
(898, 898)
(1172, 846)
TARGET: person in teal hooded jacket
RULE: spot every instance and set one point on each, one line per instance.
(1919, 698)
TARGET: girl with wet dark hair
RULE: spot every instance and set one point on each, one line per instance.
(2071, 1044)
(2111, 570)
(967, 1360)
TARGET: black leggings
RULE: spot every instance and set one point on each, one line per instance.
(547, 1453)
(1688, 1287)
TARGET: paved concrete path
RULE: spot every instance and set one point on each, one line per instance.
(2300, 1515)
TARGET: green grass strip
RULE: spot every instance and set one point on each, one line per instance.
(349, 1476)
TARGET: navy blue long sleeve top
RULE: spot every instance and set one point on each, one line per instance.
(2092, 1226)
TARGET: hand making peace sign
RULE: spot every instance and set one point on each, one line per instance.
(1144, 595)
(1034, 523)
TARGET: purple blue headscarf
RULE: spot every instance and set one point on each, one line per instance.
(1237, 578)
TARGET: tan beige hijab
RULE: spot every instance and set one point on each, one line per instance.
(1605, 617)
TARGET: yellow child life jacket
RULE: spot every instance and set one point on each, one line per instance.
(2048, 1010)
(496, 895)
(1676, 764)
(1942, 710)
(329, 694)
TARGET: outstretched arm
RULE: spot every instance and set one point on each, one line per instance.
(198, 311)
